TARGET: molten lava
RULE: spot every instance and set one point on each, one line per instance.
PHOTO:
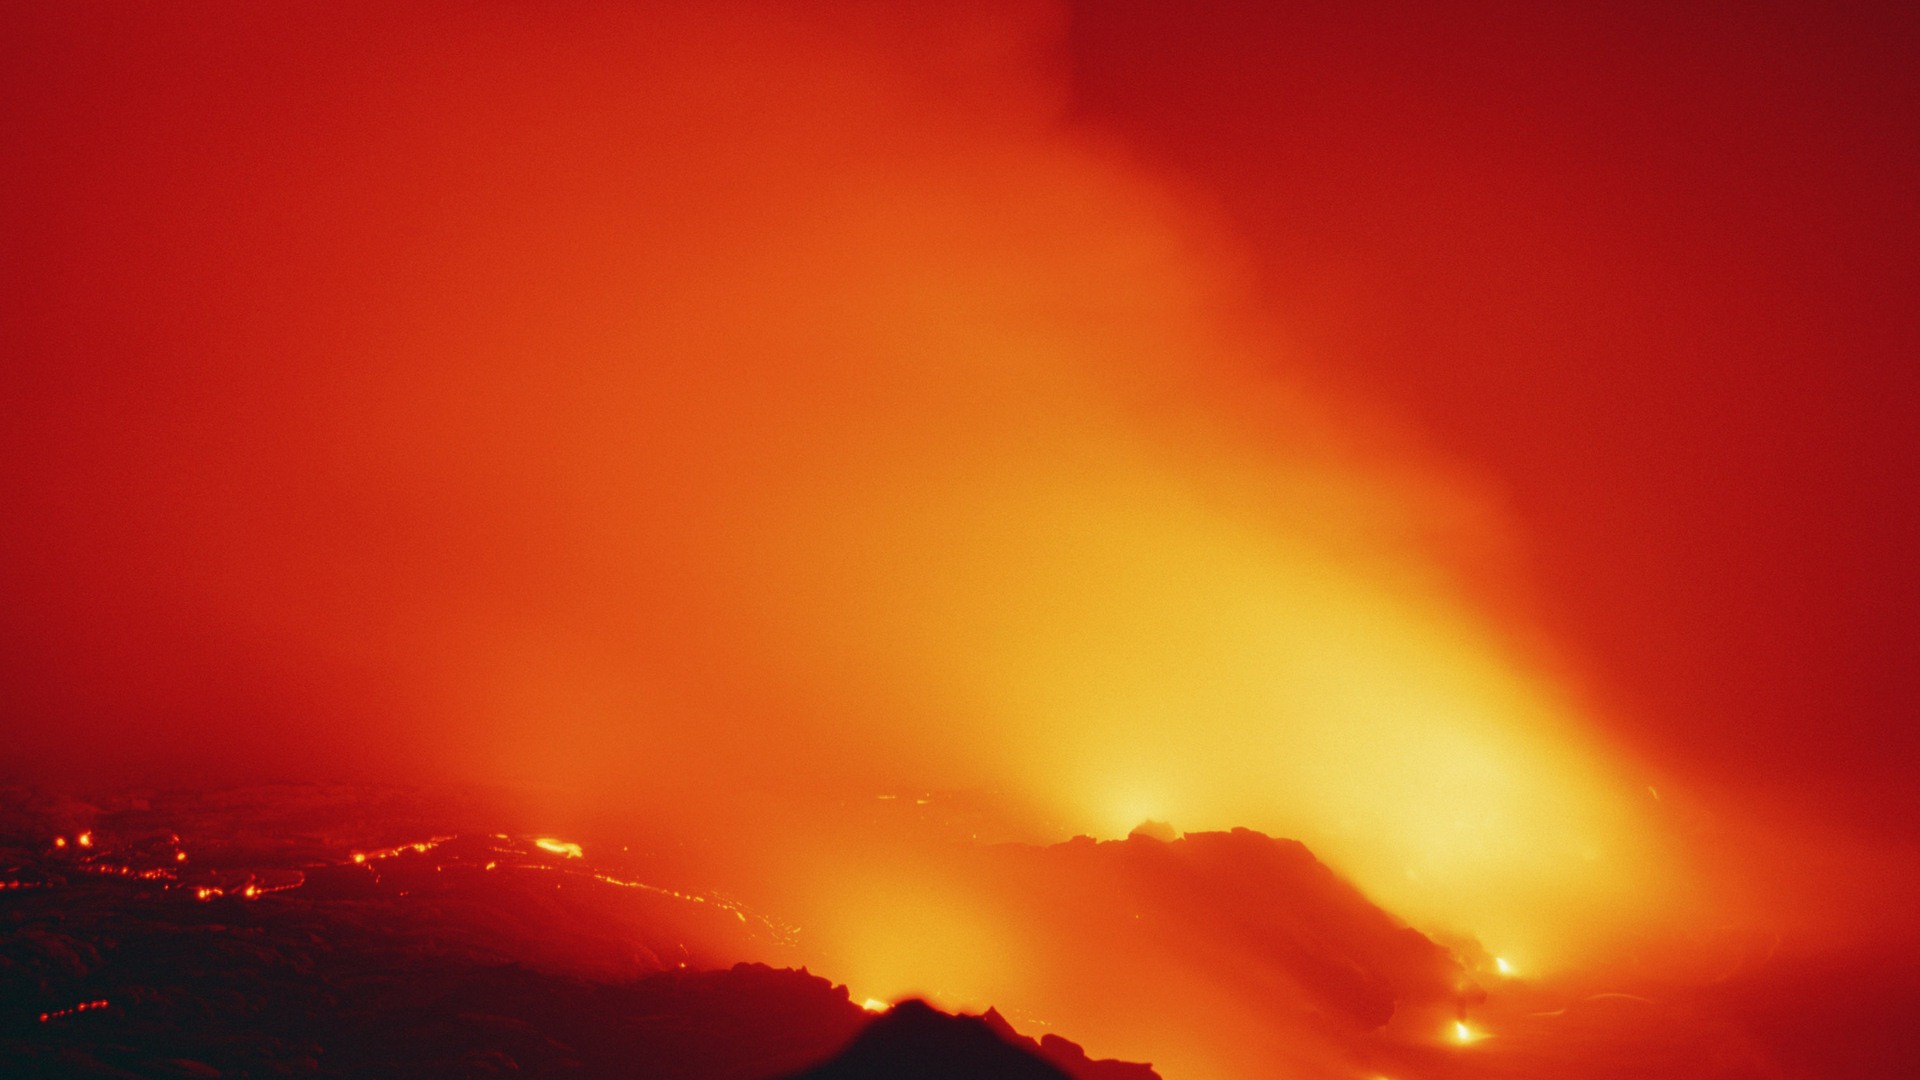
(47, 1017)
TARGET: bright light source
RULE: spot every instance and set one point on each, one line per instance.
(558, 847)
(1462, 1033)
(86, 839)
(1500, 964)
(875, 1005)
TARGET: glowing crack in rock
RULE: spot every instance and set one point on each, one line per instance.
(419, 847)
(500, 854)
(85, 1006)
(784, 934)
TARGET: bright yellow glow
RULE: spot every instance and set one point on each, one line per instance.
(59, 841)
(86, 839)
(1005, 486)
(1158, 656)
(875, 1005)
(1463, 1034)
(1500, 964)
(359, 857)
(927, 940)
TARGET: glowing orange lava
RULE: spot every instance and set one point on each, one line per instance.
(85, 1006)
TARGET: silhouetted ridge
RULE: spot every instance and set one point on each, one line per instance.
(914, 1041)
(452, 957)
(1275, 923)
(1067, 1055)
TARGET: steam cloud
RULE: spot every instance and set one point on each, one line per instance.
(706, 417)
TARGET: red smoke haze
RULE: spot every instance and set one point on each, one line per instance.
(1470, 445)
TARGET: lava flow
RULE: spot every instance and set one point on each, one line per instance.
(1270, 541)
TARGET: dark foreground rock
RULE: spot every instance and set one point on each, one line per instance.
(129, 948)
(914, 1041)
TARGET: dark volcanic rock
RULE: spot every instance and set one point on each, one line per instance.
(147, 952)
(913, 1041)
(1267, 916)
(1069, 1056)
